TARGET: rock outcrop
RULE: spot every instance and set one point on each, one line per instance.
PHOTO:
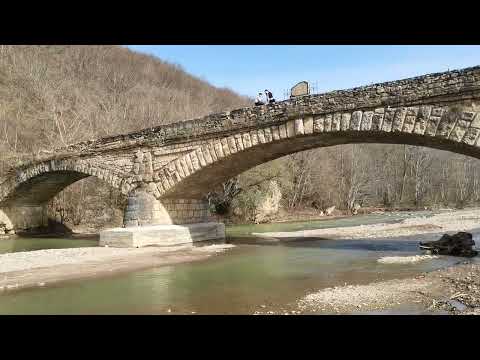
(269, 203)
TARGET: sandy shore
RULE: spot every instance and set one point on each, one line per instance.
(38, 268)
(454, 221)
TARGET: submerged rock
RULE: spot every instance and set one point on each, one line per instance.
(459, 244)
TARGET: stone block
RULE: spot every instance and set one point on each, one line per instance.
(206, 155)
(219, 149)
(318, 124)
(232, 145)
(459, 130)
(398, 119)
(432, 125)
(356, 120)
(254, 137)
(261, 136)
(447, 123)
(161, 235)
(275, 133)
(212, 151)
(345, 121)
(225, 147)
(290, 128)
(308, 124)
(336, 119)
(366, 123)
(268, 134)
(471, 136)
(328, 123)
(247, 142)
(377, 119)
(239, 142)
(388, 120)
(201, 158)
(194, 160)
(475, 123)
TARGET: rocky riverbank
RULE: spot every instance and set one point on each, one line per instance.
(448, 221)
(455, 290)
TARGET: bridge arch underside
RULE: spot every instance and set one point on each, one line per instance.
(198, 184)
(38, 190)
(26, 194)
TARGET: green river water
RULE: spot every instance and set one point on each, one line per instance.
(254, 276)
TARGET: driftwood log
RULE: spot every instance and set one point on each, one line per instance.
(459, 244)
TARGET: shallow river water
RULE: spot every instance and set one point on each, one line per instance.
(254, 276)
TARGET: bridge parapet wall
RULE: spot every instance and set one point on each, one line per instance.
(431, 89)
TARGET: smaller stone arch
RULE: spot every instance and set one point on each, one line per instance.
(25, 192)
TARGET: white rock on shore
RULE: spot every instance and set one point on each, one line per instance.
(405, 259)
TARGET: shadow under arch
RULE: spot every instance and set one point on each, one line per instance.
(27, 192)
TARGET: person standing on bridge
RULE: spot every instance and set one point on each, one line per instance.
(259, 100)
(269, 95)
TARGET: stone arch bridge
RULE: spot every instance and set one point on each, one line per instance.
(167, 170)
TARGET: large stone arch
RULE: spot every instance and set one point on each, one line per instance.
(176, 192)
(196, 173)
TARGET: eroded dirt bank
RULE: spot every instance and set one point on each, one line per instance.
(42, 267)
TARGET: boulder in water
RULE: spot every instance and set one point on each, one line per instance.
(459, 244)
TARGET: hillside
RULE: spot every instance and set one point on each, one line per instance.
(52, 96)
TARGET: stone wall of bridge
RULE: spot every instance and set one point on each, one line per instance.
(195, 173)
(432, 89)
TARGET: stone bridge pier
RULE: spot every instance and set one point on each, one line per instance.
(169, 221)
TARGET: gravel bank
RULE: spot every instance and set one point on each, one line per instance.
(365, 297)
(455, 290)
(452, 221)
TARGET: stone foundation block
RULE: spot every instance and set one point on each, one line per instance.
(161, 235)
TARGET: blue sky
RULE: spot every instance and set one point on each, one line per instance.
(248, 69)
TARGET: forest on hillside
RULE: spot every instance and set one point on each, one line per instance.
(53, 96)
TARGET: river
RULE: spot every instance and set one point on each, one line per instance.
(256, 275)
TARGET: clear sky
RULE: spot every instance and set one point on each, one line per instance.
(248, 69)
